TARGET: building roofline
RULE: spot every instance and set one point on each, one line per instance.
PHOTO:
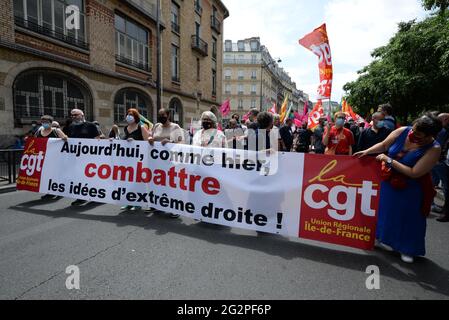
(226, 11)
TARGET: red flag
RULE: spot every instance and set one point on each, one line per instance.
(305, 113)
(246, 117)
(298, 116)
(318, 43)
(347, 109)
(273, 109)
(315, 115)
(225, 108)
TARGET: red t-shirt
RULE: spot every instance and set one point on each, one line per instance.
(340, 140)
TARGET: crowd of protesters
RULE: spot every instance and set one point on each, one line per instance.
(414, 158)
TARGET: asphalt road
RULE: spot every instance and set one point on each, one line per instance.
(139, 256)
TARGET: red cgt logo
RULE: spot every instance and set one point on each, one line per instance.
(31, 165)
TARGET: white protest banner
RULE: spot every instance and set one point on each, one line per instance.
(236, 188)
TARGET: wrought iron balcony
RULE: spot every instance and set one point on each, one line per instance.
(133, 63)
(55, 34)
(200, 45)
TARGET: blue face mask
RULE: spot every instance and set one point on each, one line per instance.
(340, 122)
(380, 124)
(46, 126)
(130, 119)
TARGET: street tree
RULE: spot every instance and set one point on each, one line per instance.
(411, 72)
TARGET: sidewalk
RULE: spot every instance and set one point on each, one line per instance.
(5, 188)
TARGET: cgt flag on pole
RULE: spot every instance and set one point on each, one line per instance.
(347, 109)
(283, 113)
(318, 42)
(315, 115)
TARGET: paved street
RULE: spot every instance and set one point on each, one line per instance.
(124, 256)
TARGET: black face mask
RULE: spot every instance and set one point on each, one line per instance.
(207, 125)
(162, 120)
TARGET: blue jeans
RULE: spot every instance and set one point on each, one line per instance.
(440, 174)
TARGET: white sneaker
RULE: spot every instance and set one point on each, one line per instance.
(383, 246)
(407, 259)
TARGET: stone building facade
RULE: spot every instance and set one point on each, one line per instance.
(253, 79)
(109, 63)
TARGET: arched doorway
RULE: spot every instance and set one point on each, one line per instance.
(176, 112)
(48, 92)
(130, 98)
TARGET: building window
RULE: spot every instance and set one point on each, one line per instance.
(175, 18)
(214, 48)
(253, 103)
(254, 46)
(198, 70)
(228, 74)
(253, 89)
(38, 93)
(253, 59)
(228, 89)
(214, 82)
(176, 114)
(241, 76)
(132, 43)
(254, 74)
(48, 17)
(241, 89)
(241, 46)
(228, 45)
(131, 98)
(175, 63)
(240, 104)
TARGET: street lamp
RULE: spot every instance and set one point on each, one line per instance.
(158, 58)
(262, 66)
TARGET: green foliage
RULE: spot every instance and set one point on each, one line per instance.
(441, 5)
(411, 71)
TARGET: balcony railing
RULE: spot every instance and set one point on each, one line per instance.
(175, 27)
(241, 93)
(200, 45)
(240, 61)
(132, 63)
(227, 77)
(77, 40)
(198, 8)
(215, 24)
